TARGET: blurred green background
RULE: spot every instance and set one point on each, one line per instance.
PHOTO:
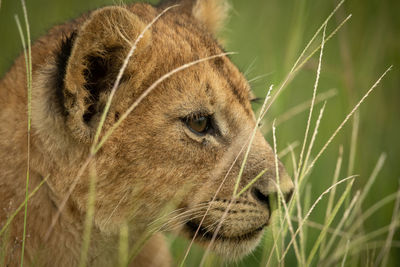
(269, 35)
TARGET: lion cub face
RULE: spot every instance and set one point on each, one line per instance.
(184, 144)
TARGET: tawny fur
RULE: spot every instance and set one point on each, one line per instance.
(152, 159)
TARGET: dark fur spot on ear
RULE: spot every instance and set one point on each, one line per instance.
(61, 59)
(94, 75)
(100, 75)
(116, 116)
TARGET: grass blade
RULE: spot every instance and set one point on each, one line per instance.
(383, 255)
(20, 207)
(28, 63)
(89, 217)
(367, 188)
(360, 243)
(300, 165)
(370, 211)
(346, 119)
(311, 209)
(299, 257)
(297, 67)
(277, 173)
(314, 136)
(353, 143)
(255, 179)
(328, 223)
(333, 193)
(319, 47)
(325, 250)
(345, 255)
(124, 246)
(290, 113)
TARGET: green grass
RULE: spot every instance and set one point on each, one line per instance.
(326, 223)
(28, 62)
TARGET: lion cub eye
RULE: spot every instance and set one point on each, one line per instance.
(200, 125)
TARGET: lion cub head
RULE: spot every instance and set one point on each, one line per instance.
(184, 143)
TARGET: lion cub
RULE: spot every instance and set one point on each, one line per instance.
(182, 144)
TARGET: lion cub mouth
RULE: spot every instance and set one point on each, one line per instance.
(205, 234)
(237, 234)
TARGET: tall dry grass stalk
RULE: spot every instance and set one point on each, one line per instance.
(383, 256)
(347, 118)
(292, 112)
(124, 245)
(324, 250)
(300, 165)
(89, 216)
(297, 65)
(28, 63)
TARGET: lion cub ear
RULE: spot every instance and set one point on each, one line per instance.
(213, 14)
(99, 50)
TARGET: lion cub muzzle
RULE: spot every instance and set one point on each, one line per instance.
(233, 225)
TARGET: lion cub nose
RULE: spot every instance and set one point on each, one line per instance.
(260, 197)
(264, 198)
(262, 193)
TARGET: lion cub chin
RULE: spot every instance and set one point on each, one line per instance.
(169, 153)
